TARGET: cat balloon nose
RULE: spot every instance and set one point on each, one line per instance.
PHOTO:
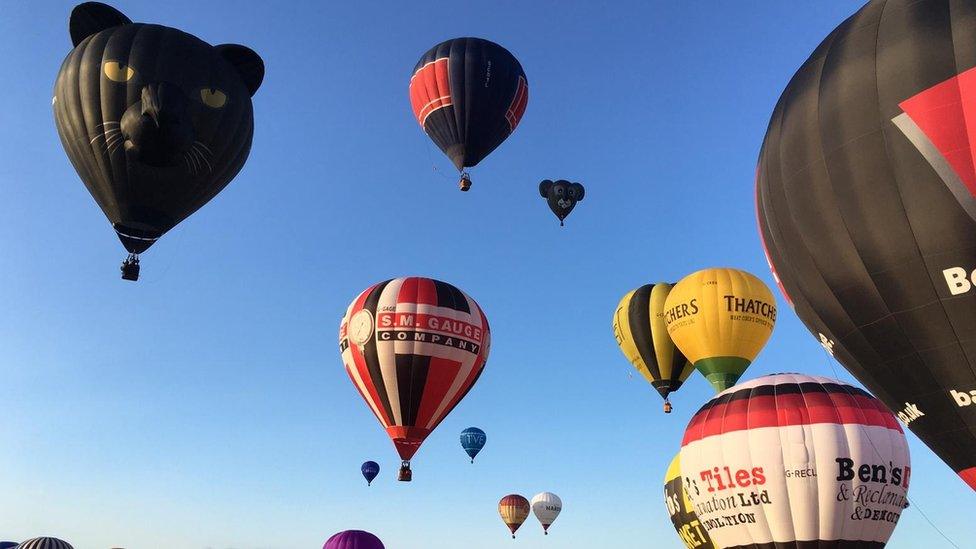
(156, 130)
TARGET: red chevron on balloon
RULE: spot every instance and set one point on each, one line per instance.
(939, 122)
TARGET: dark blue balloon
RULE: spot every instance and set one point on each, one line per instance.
(7, 544)
(370, 469)
(473, 440)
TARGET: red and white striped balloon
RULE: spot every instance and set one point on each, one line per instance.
(413, 347)
(796, 460)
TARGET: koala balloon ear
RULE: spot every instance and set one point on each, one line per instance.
(580, 191)
(544, 188)
(93, 17)
(248, 64)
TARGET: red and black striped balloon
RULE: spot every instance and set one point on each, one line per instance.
(413, 347)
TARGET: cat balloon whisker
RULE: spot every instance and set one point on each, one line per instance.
(206, 148)
(193, 158)
(203, 158)
(114, 140)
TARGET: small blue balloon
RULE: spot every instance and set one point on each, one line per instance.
(473, 440)
(370, 469)
(8, 544)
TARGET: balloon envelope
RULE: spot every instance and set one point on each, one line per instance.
(546, 507)
(641, 333)
(468, 95)
(683, 516)
(561, 196)
(353, 539)
(370, 469)
(514, 509)
(473, 440)
(866, 198)
(796, 461)
(413, 347)
(154, 120)
(7, 544)
(44, 543)
(720, 319)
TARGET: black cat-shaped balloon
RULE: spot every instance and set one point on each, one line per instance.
(562, 196)
(155, 121)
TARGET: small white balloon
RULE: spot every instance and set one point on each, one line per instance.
(546, 507)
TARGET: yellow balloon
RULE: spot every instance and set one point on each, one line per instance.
(683, 516)
(638, 327)
(720, 319)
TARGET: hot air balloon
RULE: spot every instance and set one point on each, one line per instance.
(683, 516)
(546, 507)
(561, 196)
(473, 440)
(468, 94)
(370, 469)
(796, 461)
(514, 509)
(413, 347)
(640, 331)
(866, 201)
(720, 319)
(353, 539)
(44, 543)
(8, 544)
(155, 121)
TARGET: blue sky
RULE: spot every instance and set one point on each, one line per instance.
(206, 406)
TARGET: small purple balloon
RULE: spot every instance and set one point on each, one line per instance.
(353, 539)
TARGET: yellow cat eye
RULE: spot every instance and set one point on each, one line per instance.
(117, 72)
(213, 97)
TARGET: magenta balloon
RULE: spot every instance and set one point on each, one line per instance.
(353, 539)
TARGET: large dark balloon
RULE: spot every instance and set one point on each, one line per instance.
(155, 121)
(353, 539)
(866, 192)
(44, 543)
(468, 94)
(561, 196)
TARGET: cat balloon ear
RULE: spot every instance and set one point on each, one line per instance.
(580, 191)
(248, 64)
(93, 17)
(544, 188)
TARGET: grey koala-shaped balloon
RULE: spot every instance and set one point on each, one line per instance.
(562, 196)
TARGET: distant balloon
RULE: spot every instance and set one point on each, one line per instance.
(44, 543)
(413, 347)
(866, 203)
(641, 333)
(790, 460)
(514, 509)
(720, 319)
(561, 196)
(155, 121)
(370, 469)
(468, 94)
(353, 539)
(546, 507)
(683, 516)
(473, 440)
(8, 544)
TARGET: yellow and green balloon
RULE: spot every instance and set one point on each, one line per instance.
(720, 319)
